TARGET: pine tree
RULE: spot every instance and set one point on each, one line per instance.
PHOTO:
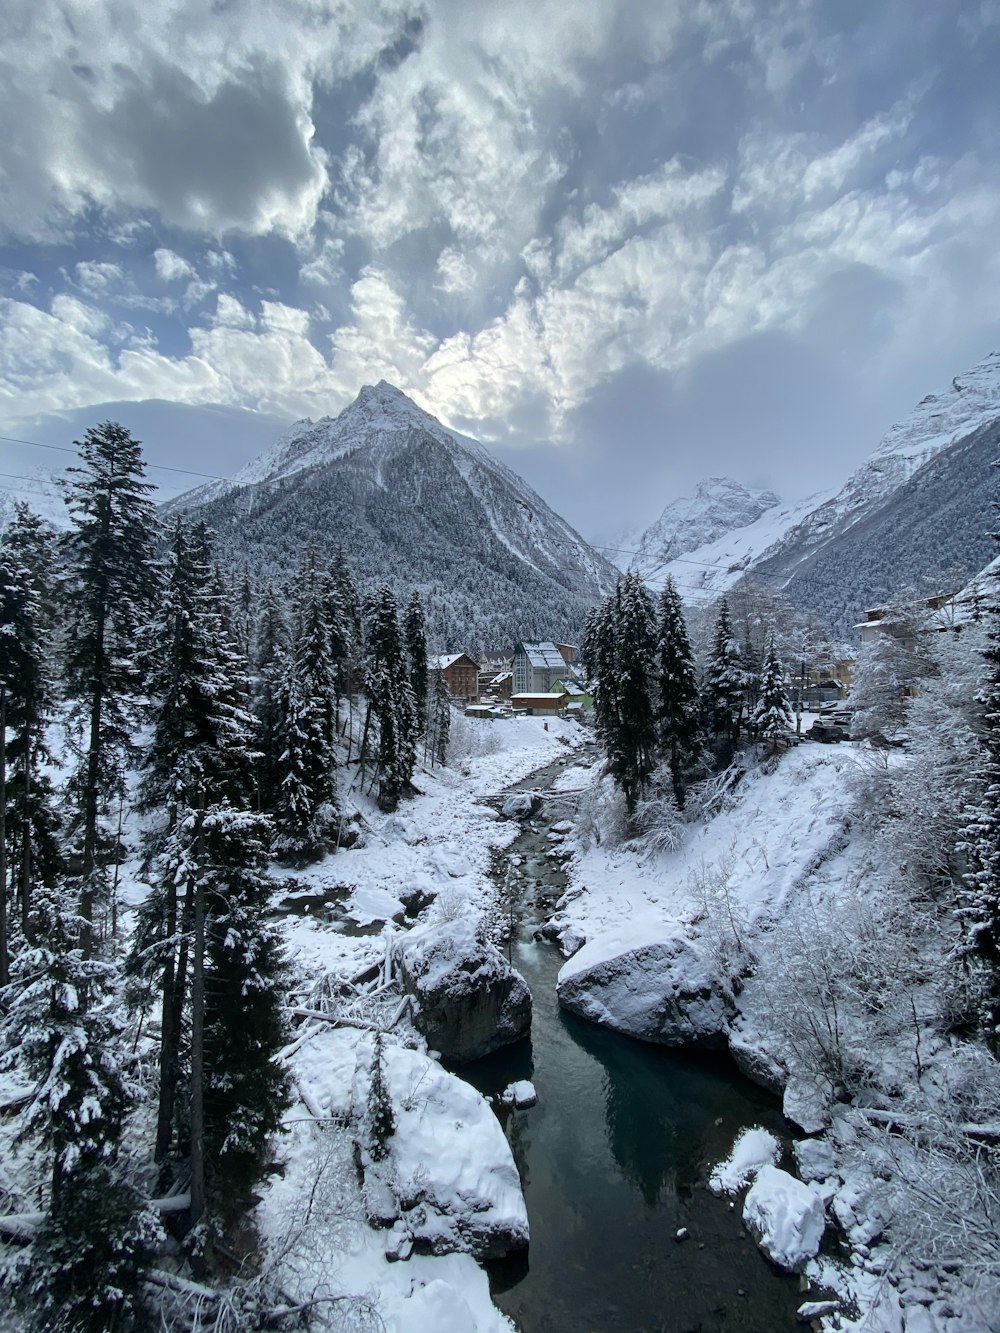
(88, 1256)
(390, 698)
(271, 646)
(723, 688)
(415, 638)
(28, 847)
(600, 659)
(979, 904)
(246, 1090)
(772, 715)
(111, 587)
(632, 752)
(677, 702)
(439, 726)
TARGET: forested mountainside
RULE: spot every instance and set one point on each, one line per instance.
(933, 528)
(411, 503)
(917, 508)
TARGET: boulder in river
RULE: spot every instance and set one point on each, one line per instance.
(664, 991)
(785, 1217)
(470, 1001)
(521, 805)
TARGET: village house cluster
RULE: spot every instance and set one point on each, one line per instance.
(540, 678)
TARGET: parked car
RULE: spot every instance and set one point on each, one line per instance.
(828, 732)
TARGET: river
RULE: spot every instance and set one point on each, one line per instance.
(614, 1161)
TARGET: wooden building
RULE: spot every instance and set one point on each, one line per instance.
(461, 674)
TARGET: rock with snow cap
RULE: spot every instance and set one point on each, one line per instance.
(664, 991)
(470, 1000)
(785, 1217)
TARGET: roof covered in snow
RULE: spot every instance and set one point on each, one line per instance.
(542, 654)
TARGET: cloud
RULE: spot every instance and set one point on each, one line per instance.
(171, 267)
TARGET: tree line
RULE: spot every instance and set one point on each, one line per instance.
(220, 716)
(651, 707)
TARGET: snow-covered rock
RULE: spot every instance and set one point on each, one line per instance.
(753, 1149)
(521, 805)
(806, 1103)
(448, 1182)
(814, 1159)
(520, 1094)
(757, 1064)
(470, 1000)
(662, 991)
(785, 1217)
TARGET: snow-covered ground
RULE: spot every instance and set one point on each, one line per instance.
(448, 1154)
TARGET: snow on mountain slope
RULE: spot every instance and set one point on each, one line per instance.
(708, 571)
(41, 491)
(717, 507)
(417, 505)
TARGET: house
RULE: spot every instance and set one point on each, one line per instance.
(574, 693)
(904, 624)
(538, 704)
(570, 653)
(537, 667)
(503, 685)
(461, 674)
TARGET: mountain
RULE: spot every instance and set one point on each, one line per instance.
(43, 492)
(413, 504)
(717, 507)
(917, 510)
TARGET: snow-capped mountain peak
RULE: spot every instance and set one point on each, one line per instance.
(719, 505)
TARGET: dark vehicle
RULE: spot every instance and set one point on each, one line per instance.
(829, 732)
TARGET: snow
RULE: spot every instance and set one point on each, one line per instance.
(753, 1149)
(785, 1216)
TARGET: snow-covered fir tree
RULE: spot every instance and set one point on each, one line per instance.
(87, 1259)
(722, 690)
(633, 742)
(772, 714)
(390, 698)
(28, 822)
(677, 688)
(270, 649)
(438, 731)
(110, 591)
(415, 639)
(980, 902)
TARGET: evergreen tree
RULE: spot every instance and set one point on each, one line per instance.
(246, 1090)
(415, 637)
(633, 742)
(390, 698)
(87, 1259)
(28, 847)
(773, 714)
(723, 689)
(677, 702)
(600, 659)
(111, 588)
(439, 726)
(980, 901)
(271, 647)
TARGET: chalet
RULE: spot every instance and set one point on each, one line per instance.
(570, 653)
(538, 704)
(461, 674)
(905, 624)
(503, 685)
(537, 667)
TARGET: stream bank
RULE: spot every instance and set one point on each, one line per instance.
(615, 1157)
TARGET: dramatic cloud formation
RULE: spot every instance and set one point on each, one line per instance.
(629, 243)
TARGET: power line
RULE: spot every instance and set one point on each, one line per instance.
(160, 467)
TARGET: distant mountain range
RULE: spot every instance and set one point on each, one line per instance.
(414, 504)
(418, 506)
(919, 507)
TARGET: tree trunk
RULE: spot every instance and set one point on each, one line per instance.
(169, 1038)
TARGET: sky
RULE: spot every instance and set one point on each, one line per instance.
(629, 245)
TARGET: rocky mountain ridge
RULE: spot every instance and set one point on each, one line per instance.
(414, 504)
